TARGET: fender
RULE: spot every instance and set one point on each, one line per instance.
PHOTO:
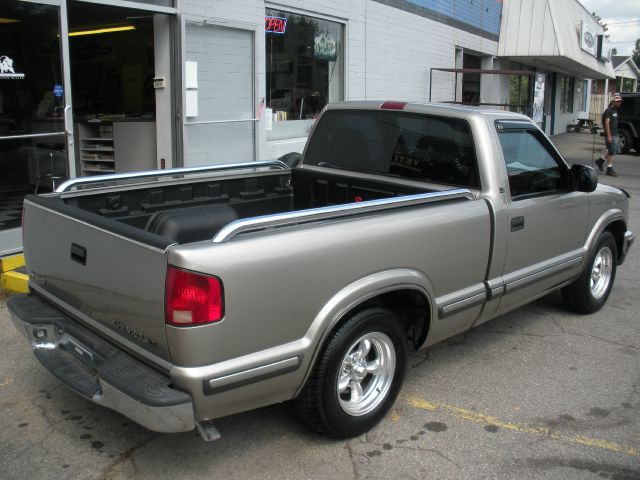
(353, 295)
(607, 218)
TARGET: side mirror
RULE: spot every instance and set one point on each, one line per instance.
(585, 179)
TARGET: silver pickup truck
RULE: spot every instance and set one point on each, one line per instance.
(177, 297)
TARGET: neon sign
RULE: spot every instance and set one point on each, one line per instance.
(275, 25)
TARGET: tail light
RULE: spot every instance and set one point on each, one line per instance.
(192, 298)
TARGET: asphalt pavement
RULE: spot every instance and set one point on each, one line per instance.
(539, 393)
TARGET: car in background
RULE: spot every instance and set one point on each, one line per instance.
(629, 122)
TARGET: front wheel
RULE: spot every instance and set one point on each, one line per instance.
(592, 288)
(357, 377)
(626, 142)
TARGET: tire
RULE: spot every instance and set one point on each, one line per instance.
(341, 399)
(626, 142)
(592, 288)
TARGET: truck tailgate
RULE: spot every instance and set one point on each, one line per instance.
(104, 279)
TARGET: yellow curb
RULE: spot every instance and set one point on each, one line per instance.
(14, 282)
(11, 262)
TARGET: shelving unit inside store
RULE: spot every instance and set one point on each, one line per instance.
(96, 147)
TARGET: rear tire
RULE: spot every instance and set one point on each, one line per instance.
(357, 377)
(592, 288)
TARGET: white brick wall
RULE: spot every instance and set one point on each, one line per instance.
(389, 51)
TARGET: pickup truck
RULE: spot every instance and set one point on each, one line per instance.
(177, 297)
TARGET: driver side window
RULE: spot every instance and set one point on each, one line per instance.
(531, 168)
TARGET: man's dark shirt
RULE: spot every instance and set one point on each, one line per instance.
(612, 114)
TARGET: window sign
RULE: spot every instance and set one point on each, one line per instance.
(326, 46)
(58, 91)
(275, 25)
(7, 70)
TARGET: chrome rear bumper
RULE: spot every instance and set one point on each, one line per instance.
(99, 371)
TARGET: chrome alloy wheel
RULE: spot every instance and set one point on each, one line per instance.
(601, 272)
(366, 374)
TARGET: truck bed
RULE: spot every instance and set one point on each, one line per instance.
(185, 212)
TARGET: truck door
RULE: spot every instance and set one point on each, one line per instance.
(547, 219)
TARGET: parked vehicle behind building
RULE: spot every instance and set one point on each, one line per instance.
(629, 122)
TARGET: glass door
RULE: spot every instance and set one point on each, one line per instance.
(35, 134)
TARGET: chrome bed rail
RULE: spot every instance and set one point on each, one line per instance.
(339, 211)
(172, 171)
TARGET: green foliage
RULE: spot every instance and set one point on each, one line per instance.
(636, 53)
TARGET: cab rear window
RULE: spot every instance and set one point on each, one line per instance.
(406, 145)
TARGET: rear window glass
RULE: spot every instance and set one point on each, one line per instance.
(411, 146)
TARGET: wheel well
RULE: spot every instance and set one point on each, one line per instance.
(617, 229)
(412, 308)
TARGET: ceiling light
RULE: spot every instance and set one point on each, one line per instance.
(102, 30)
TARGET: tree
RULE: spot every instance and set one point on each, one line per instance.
(636, 53)
(614, 51)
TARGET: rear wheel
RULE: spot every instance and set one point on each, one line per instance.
(590, 291)
(357, 377)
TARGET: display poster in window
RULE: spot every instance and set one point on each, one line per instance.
(538, 98)
(325, 46)
(7, 70)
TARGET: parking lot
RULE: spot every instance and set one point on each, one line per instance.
(537, 393)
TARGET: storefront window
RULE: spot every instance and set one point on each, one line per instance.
(162, 3)
(32, 91)
(566, 94)
(581, 94)
(305, 71)
(519, 94)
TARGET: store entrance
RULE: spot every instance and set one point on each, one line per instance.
(85, 89)
(33, 103)
(113, 57)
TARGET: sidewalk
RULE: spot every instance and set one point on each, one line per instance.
(585, 148)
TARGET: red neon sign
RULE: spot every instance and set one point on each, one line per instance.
(275, 25)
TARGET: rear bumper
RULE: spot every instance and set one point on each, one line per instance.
(99, 371)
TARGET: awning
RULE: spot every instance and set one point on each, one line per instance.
(562, 38)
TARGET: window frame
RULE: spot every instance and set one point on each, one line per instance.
(511, 126)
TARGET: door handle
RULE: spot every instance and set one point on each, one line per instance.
(68, 124)
(78, 254)
(517, 223)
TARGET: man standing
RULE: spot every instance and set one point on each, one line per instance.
(610, 124)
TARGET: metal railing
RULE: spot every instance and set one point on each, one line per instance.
(170, 172)
(339, 211)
